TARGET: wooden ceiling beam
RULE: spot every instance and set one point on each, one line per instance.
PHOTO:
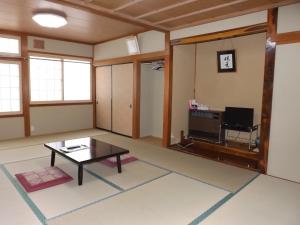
(165, 8)
(127, 5)
(98, 10)
(201, 11)
(236, 32)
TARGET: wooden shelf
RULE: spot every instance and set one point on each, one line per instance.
(237, 155)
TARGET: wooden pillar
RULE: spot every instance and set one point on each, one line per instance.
(268, 89)
(93, 82)
(136, 99)
(167, 91)
(25, 84)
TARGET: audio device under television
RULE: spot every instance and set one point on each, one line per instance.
(238, 118)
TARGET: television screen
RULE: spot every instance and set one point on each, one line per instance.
(238, 117)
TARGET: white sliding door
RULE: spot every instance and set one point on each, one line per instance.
(122, 95)
(103, 97)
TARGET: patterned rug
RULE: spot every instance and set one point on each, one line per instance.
(112, 161)
(41, 179)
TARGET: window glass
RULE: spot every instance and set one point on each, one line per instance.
(58, 79)
(9, 46)
(77, 80)
(10, 97)
(45, 79)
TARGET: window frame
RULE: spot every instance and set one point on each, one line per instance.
(20, 112)
(61, 59)
(8, 54)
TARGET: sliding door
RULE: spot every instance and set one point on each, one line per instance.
(122, 95)
(103, 97)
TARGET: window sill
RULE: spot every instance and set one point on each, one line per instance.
(10, 115)
(38, 104)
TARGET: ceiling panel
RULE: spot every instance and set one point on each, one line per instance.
(95, 21)
(82, 25)
(199, 17)
(109, 4)
(214, 14)
(147, 6)
(184, 9)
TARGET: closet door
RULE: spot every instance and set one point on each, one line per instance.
(122, 94)
(103, 97)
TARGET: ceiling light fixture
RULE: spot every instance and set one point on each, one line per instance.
(51, 20)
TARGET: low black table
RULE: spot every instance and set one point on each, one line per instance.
(93, 150)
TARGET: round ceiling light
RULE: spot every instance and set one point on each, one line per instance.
(49, 20)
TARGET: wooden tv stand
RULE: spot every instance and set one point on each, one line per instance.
(234, 154)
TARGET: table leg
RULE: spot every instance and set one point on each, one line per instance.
(119, 164)
(52, 158)
(80, 173)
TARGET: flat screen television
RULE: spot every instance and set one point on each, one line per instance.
(238, 118)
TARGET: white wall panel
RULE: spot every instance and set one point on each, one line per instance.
(284, 151)
(150, 41)
(289, 18)
(235, 22)
(11, 128)
(55, 119)
(62, 47)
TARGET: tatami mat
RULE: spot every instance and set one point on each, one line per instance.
(63, 198)
(13, 209)
(170, 200)
(133, 174)
(265, 201)
(23, 153)
(35, 140)
(221, 175)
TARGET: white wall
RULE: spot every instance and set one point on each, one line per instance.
(289, 18)
(62, 47)
(151, 119)
(183, 88)
(150, 41)
(11, 128)
(284, 150)
(235, 22)
(55, 119)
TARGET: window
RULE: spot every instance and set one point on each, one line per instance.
(10, 95)
(59, 79)
(9, 45)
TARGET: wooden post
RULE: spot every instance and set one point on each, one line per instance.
(167, 91)
(268, 89)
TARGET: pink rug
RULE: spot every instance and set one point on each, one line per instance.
(41, 179)
(112, 161)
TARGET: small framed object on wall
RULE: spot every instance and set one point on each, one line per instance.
(226, 61)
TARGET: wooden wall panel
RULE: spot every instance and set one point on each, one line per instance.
(122, 96)
(103, 97)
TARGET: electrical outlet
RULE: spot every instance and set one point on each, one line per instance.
(32, 128)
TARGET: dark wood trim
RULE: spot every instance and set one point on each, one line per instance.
(60, 104)
(168, 74)
(236, 32)
(136, 99)
(94, 95)
(287, 38)
(25, 84)
(18, 33)
(131, 59)
(59, 54)
(268, 89)
(8, 58)
(119, 37)
(11, 115)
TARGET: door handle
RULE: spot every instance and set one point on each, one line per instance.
(130, 106)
